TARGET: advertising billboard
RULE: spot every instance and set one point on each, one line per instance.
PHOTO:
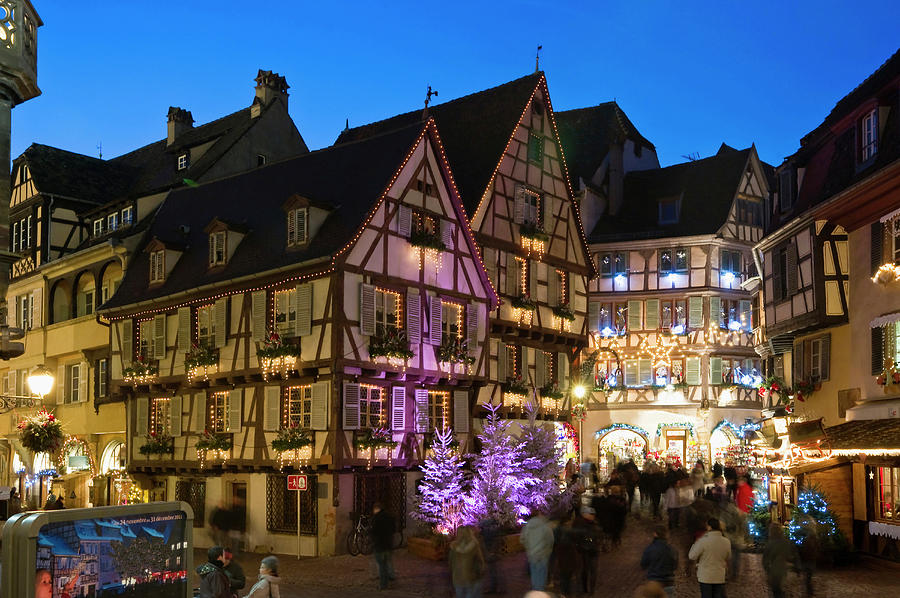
(129, 551)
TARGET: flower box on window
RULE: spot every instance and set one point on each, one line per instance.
(158, 444)
(423, 239)
(293, 447)
(371, 440)
(563, 312)
(533, 238)
(213, 445)
(140, 373)
(523, 309)
(199, 362)
(516, 393)
(277, 356)
(455, 352)
(392, 345)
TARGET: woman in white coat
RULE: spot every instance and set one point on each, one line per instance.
(269, 582)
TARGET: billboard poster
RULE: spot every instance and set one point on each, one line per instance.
(131, 555)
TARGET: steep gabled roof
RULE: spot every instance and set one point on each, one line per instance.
(58, 172)
(474, 129)
(705, 187)
(586, 134)
(346, 179)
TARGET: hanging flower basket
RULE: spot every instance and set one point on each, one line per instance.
(199, 362)
(516, 386)
(804, 390)
(551, 391)
(776, 385)
(161, 444)
(422, 239)
(277, 357)
(213, 445)
(392, 345)
(140, 373)
(41, 432)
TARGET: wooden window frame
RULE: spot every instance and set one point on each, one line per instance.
(730, 256)
(157, 266)
(101, 377)
(287, 325)
(868, 135)
(894, 485)
(296, 408)
(99, 227)
(160, 409)
(207, 313)
(893, 227)
(536, 149)
(126, 221)
(72, 383)
(368, 400)
(297, 232)
(218, 248)
(183, 161)
(217, 412)
(381, 322)
(145, 340)
(112, 221)
(438, 409)
(447, 325)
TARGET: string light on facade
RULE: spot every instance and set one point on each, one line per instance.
(887, 274)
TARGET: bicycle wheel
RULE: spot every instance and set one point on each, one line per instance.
(364, 543)
(352, 544)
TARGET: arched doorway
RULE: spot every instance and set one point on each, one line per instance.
(725, 444)
(108, 487)
(618, 443)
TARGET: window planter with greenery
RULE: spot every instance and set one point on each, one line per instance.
(277, 357)
(533, 238)
(524, 303)
(293, 446)
(455, 351)
(213, 445)
(392, 345)
(199, 362)
(515, 392)
(422, 239)
(372, 439)
(140, 373)
(158, 444)
(41, 432)
(563, 312)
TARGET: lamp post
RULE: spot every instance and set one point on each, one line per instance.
(40, 381)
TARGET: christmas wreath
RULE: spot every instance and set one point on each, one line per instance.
(41, 432)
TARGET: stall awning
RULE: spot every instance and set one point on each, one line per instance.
(885, 320)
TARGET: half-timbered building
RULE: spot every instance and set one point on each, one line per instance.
(671, 324)
(503, 147)
(75, 221)
(338, 296)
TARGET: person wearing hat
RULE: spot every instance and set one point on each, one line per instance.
(268, 585)
(236, 578)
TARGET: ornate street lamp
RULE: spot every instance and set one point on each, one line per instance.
(40, 381)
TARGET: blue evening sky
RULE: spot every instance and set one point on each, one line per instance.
(690, 75)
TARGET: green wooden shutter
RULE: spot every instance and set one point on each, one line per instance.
(692, 371)
(715, 370)
(631, 372)
(695, 312)
(651, 318)
(645, 373)
(634, 315)
(716, 318)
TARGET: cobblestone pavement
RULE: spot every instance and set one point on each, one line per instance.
(619, 575)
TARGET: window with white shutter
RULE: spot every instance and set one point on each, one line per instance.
(217, 412)
(413, 317)
(141, 418)
(692, 371)
(398, 408)
(562, 373)
(217, 253)
(221, 322)
(350, 420)
(716, 315)
(258, 315)
(185, 337)
(286, 312)
(304, 309)
(319, 417)
(235, 410)
(472, 327)
(159, 336)
(175, 415)
(298, 407)
(435, 319)
(645, 372)
(206, 326)
(461, 415)
(271, 408)
(421, 396)
(297, 227)
(404, 221)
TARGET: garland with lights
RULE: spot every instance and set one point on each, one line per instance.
(392, 344)
(424, 239)
(158, 444)
(140, 373)
(563, 312)
(198, 361)
(277, 356)
(41, 432)
(688, 425)
(613, 427)
(72, 442)
(374, 439)
(214, 441)
(523, 302)
(455, 351)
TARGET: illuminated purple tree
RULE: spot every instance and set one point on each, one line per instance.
(499, 483)
(440, 501)
(540, 464)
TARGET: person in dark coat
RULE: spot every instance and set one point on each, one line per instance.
(660, 560)
(236, 578)
(213, 579)
(490, 536)
(565, 553)
(382, 531)
(587, 545)
(777, 555)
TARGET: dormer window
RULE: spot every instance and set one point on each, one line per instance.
(217, 248)
(668, 211)
(260, 159)
(157, 266)
(868, 128)
(99, 227)
(183, 161)
(298, 227)
(112, 221)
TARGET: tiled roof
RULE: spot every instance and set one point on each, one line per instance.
(474, 130)
(586, 134)
(347, 178)
(865, 434)
(706, 188)
(59, 172)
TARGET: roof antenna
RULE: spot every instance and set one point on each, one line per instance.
(537, 59)
(428, 101)
(100, 149)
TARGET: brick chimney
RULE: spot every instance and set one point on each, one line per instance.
(179, 122)
(269, 86)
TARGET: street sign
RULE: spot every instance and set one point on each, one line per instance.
(297, 482)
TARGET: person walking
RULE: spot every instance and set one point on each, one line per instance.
(743, 494)
(777, 554)
(490, 537)
(565, 553)
(268, 583)
(711, 552)
(807, 550)
(382, 532)
(660, 560)
(213, 580)
(587, 546)
(236, 578)
(466, 563)
(537, 538)
(220, 524)
(698, 478)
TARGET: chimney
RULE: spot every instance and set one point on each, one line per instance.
(179, 122)
(269, 86)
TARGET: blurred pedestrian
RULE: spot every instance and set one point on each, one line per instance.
(587, 545)
(220, 524)
(778, 553)
(466, 563)
(382, 532)
(660, 560)
(268, 583)
(734, 527)
(698, 478)
(14, 504)
(743, 495)
(711, 552)
(537, 538)
(236, 578)
(490, 536)
(565, 553)
(807, 539)
(719, 492)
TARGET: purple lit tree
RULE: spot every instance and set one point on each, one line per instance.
(499, 483)
(540, 464)
(440, 502)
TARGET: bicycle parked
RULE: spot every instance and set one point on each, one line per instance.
(359, 540)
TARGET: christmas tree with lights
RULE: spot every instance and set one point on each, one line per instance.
(499, 484)
(440, 501)
(812, 521)
(759, 518)
(540, 464)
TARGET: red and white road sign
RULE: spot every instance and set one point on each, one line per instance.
(297, 482)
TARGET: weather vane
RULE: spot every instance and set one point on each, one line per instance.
(537, 59)
(428, 96)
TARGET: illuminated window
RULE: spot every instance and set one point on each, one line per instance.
(206, 327)
(285, 312)
(730, 261)
(161, 417)
(895, 236)
(868, 127)
(889, 493)
(438, 410)
(157, 266)
(513, 365)
(217, 412)
(451, 321)
(102, 377)
(183, 161)
(387, 311)
(673, 260)
(531, 207)
(112, 221)
(145, 340)
(371, 407)
(99, 227)
(297, 407)
(217, 248)
(126, 216)
(562, 279)
(73, 380)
